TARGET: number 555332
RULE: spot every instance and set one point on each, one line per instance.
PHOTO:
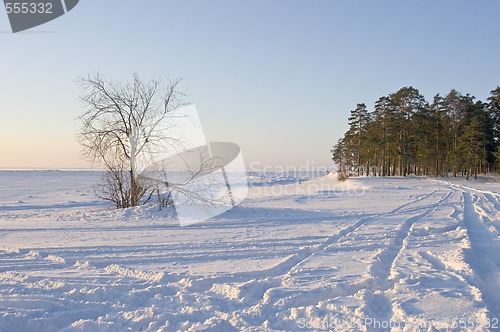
(28, 8)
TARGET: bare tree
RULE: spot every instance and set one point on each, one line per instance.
(121, 121)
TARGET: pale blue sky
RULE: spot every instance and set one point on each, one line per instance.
(277, 77)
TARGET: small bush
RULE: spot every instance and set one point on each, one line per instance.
(341, 176)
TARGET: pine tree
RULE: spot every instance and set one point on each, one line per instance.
(440, 139)
(494, 116)
(385, 128)
(340, 157)
(488, 129)
(357, 131)
(422, 138)
(471, 147)
(407, 100)
(494, 110)
(454, 107)
(497, 159)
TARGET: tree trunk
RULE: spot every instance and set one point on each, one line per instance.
(134, 190)
(383, 163)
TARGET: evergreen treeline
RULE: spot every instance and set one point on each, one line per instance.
(405, 134)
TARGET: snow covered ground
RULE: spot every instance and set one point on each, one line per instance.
(371, 254)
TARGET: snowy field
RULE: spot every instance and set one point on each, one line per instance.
(371, 254)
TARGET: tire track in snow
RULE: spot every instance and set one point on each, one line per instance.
(281, 272)
(272, 283)
(491, 196)
(483, 255)
(343, 233)
(493, 199)
(376, 297)
(290, 264)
